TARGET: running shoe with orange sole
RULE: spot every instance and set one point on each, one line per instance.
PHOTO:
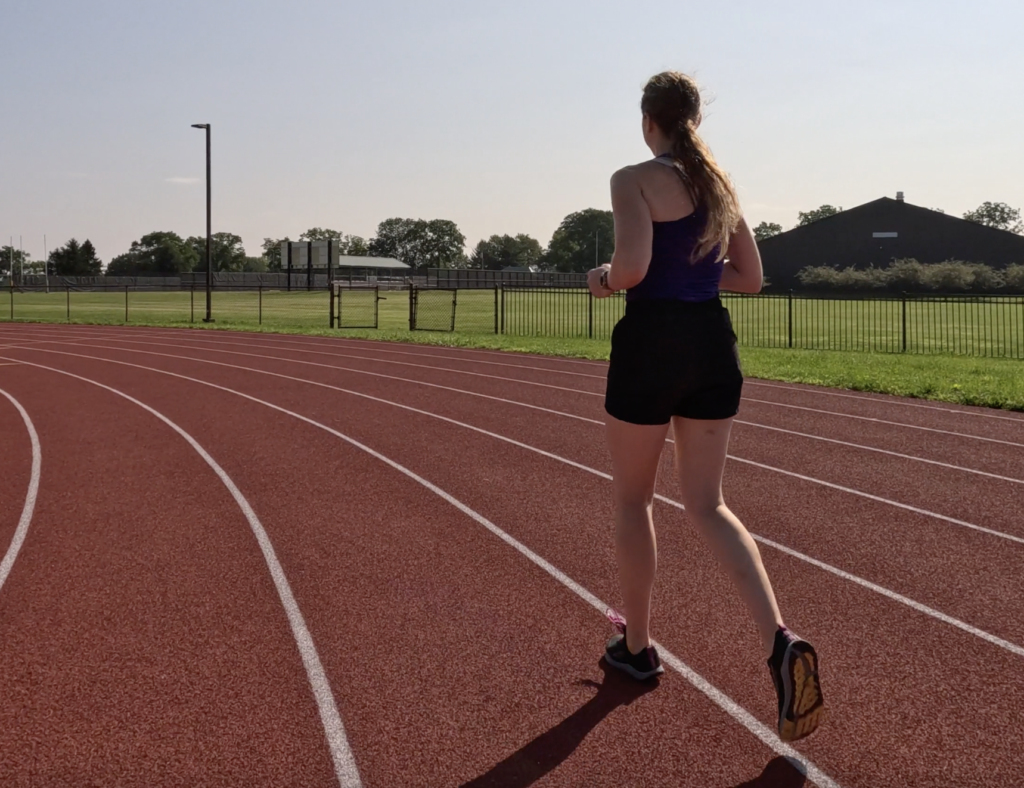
(794, 668)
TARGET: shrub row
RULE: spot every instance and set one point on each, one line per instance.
(911, 276)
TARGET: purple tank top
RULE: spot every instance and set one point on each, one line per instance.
(671, 276)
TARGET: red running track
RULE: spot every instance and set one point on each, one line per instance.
(428, 534)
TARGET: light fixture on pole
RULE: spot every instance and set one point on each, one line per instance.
(209, 260)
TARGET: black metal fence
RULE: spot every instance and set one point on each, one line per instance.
(972, 325)
(468, 278)
(232, 305)
(991, 326)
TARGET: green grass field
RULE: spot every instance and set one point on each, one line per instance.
(992, 382)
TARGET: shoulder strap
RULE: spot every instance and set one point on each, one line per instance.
(669, 161)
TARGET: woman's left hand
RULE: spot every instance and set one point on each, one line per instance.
(594, 282)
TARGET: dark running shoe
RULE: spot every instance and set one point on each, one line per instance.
(640, 666)
(794, 668)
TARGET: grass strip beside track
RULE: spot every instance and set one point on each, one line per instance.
(964, 380)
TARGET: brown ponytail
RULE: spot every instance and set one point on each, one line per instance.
(672, 101)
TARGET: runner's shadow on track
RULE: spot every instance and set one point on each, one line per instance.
(549, 750)
(779, 773)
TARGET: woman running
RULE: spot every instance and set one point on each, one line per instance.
(680, 238)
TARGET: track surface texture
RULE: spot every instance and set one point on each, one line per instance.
(259, 560)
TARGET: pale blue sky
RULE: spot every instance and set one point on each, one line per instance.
(501, 117)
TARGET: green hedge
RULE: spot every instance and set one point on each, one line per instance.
(911, 276)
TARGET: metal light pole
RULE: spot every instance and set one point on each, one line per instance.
(209, 257)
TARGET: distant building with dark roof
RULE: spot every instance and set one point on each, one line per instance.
(878, 232)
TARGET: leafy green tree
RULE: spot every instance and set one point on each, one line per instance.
(998, 215)
(501, 251)
(767, 230)
(354, 245)
(437, 243)
(320, 234)
(75, 259)
(156, 254)
(821, 212)
(395, 238)
(226, 250)
(583, 240)
(255, 264)
(347, 244)
(8, 256)
(272, 252)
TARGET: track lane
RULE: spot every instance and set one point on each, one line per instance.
(919, 485)
(989, 458)
(980, 590)
(991, 423)
(121, 621)
(895, 626)
(404, 719)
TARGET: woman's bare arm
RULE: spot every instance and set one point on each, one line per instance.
(634, 232)
(742, 273)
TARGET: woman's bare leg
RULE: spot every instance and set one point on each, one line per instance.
(700, 461)
(635, 450)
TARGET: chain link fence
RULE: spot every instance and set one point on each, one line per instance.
(432, 309)
(355, 307)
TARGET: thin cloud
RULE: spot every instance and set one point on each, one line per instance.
(182, 181)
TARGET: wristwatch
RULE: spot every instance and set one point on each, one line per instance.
(604, 279)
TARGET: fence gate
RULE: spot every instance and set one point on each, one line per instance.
(432, 309)
(354, 307)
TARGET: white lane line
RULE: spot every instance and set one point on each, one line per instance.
(1012, 647)
(344, 763)
(363, 358)
(811, 479)
(719, 698)
(897, 504)
(30, 498)
(910, 457)
(883, 421)
(561, 388)
(883, 451)
(456, 352)
(368, 344)
(879, 400)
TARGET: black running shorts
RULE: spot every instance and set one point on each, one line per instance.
(673, 358)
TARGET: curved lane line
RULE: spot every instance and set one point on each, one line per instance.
(30, 499)
(802, 477)
(369, 345)
(574, 391)
(341, 754)
(723, 701)
(893, 595)
(878, 401)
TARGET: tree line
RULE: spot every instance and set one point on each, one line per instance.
(582, 240)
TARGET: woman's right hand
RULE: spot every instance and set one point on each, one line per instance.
(594, 281)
